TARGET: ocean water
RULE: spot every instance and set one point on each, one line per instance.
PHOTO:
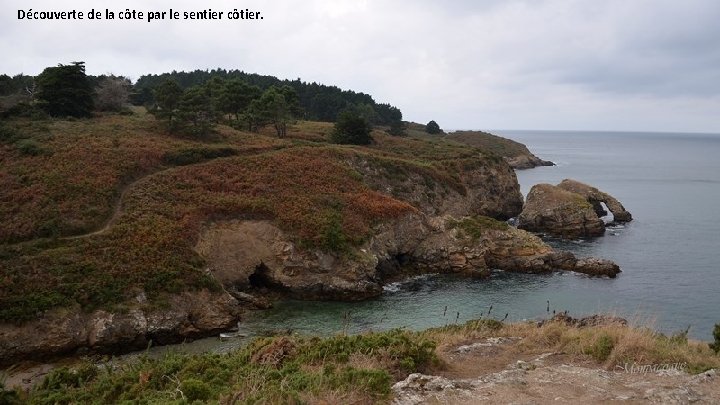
(669, 254)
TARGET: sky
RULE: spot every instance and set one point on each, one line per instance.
(635, 65)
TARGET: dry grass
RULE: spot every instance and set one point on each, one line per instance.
(610, 346)
(496, 144)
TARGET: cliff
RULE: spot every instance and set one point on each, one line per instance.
(117, 234)
(515, 154)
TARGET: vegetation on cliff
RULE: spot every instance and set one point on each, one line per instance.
(515, 153)
(103, 208)
(363, 368)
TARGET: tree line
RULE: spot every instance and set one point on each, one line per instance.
(316, 102)
(192, 101)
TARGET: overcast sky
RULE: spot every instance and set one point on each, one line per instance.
(542, 64)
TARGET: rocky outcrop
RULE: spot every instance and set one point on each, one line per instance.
(514, 153)
(254, 255)
(188, 315)
(596, 197)
(552, 378)
(530, 161)
(487, 187)
(252, 258)
(569, 210)
(558, 212)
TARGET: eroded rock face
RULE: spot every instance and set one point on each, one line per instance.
(490, 189)
(249, 256)
(529, 161)
(595, 197)
(558, 212)
(189, 315)
(569, 210)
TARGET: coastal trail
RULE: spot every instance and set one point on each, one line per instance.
(493, 370)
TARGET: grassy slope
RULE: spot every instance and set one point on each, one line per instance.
(69, 183)
(496, 144)
(352, 369)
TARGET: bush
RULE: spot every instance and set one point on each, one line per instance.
(351, 128)
(195, 390)
(432, 127)
(29, 147)
(716, 334)
(601, 349)
(190, 156)
(7, 134)
(397, 128)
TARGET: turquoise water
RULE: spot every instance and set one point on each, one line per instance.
(668, 254)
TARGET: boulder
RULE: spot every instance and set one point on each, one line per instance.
(596, 267)
(558, 212)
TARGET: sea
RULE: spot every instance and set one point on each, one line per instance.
(669, 254)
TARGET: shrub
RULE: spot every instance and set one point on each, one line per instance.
(29, 147)
(7, 134)
(195, 390)
(190, 156)
(432, 127)
(602, 347)
(351, 128)
(716, 334)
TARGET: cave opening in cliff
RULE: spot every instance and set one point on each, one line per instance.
(393, 265)
(259, 278)
(608, 216)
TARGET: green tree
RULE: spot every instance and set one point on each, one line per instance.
(237, 96)
(195, 110)
(433, 128)
(276, 106)
(6, 85)
(65, 91)
(351, 128)
(167, 98)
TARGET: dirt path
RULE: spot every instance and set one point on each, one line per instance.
(491, 372)
(117, 210)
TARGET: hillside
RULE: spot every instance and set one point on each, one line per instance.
(516, 154)
(114, 233)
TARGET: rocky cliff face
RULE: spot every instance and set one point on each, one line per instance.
(451, 232)
(252, 256)
(489, 188)
(189, 315)
(528, 161)
(569, 210)
(596, 197)
(558, 212)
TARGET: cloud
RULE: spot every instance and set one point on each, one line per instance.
(640, 65)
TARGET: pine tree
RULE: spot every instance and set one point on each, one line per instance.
(167, 98)
(65, 91)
